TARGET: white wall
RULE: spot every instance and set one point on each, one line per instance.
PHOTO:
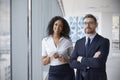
(106, 26)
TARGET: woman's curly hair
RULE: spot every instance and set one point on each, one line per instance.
(65, 30)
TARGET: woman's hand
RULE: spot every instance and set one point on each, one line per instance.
(45, 60)
(54, 54)
(63, 59)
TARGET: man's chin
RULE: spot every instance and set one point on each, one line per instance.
(89, 32)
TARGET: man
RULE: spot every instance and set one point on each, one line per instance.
(90, 53)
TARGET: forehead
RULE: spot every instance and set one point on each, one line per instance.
(58, 21)
(89, 20)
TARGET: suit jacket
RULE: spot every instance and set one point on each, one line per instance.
(95, 67)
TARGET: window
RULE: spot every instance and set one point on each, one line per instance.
(76, 27)
(5, 67)
(116, 32)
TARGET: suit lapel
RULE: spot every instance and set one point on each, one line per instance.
(83, 46)
(93, 43)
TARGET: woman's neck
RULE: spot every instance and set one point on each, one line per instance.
(56, 36)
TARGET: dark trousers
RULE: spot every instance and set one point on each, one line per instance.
(61, 72)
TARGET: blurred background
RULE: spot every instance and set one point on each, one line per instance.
(23, 25)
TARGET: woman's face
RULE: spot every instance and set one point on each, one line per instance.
(57, 27)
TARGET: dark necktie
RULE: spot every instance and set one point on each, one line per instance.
(87, 46)
(83, 72)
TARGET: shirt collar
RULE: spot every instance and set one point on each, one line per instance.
(91, 37)
(61, 38)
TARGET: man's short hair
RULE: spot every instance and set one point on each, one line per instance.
(90, 16)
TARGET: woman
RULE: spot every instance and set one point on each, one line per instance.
(56, 50)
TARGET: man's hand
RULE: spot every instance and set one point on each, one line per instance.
(97, 54)
(79, 58)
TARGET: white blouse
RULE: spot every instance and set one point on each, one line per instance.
(64, 48)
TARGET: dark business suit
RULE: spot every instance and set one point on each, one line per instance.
(94, 68)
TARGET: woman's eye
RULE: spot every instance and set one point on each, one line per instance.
(56, 24)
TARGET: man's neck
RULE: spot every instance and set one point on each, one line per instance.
(89, 35)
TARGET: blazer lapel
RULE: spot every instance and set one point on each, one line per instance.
(83, 47)
(93, 43)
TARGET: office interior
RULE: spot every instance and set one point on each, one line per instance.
(23, 25)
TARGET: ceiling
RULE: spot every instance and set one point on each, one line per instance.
(73, 7)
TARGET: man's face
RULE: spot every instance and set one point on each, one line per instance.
(89, 25)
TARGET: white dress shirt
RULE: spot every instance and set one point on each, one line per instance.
(64, 48)
(91, 38)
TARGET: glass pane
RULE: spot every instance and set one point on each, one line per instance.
(76, 27)
(115, 32)
(5, 67)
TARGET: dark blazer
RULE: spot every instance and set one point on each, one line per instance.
(94, 67)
